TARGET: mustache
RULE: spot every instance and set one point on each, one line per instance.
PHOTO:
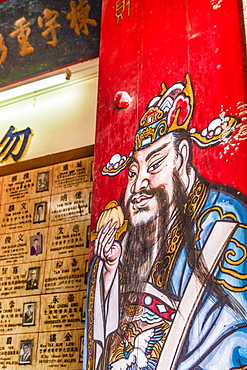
(148, 192)
(144, 192)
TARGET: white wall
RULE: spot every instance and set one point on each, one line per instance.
(61, 120)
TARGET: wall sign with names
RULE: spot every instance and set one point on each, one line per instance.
(44, 240)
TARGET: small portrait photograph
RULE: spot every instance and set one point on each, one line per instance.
(84, 307)
(36, 245)
(85, 271)
(81, 349)
(28, 318)
(42, 182)
(92, 171)
(39, 212)
(90, 203)
(25, 352)
(88, 236)
(33, 278)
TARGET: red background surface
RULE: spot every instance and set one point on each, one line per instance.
(162, 40)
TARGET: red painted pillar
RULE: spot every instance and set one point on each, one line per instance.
(162, 41)
(143, 44)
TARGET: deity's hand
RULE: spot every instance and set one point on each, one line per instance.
(107, 248)
(109, 251)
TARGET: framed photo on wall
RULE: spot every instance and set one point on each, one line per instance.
(40, 212)
(25, 352)
(42, 181)
(28, 318)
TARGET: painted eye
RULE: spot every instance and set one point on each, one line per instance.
(155, 165)
(132, 174)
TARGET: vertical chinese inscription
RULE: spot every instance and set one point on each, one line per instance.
(122, 7)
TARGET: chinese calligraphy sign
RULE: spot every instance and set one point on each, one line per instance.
(79, 17)
(3, 50)
(22, 32)
(49, 20)
(121, 7)
(59, 34)
(14, 143)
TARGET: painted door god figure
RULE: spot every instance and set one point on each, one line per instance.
(167, 287)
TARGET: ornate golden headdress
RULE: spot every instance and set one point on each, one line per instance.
(170, 111)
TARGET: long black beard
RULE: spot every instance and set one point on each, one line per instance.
(138, 254)
(137, 257)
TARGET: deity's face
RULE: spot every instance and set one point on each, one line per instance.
(152, 168)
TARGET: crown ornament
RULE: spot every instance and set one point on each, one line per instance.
(170, 111)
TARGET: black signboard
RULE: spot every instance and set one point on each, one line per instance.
(42, 35)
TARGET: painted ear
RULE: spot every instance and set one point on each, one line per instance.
(183, 151)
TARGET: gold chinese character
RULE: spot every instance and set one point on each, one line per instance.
(79, 17)
(3, 49)
(120, 8)
(49, 20)
(22, 32)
